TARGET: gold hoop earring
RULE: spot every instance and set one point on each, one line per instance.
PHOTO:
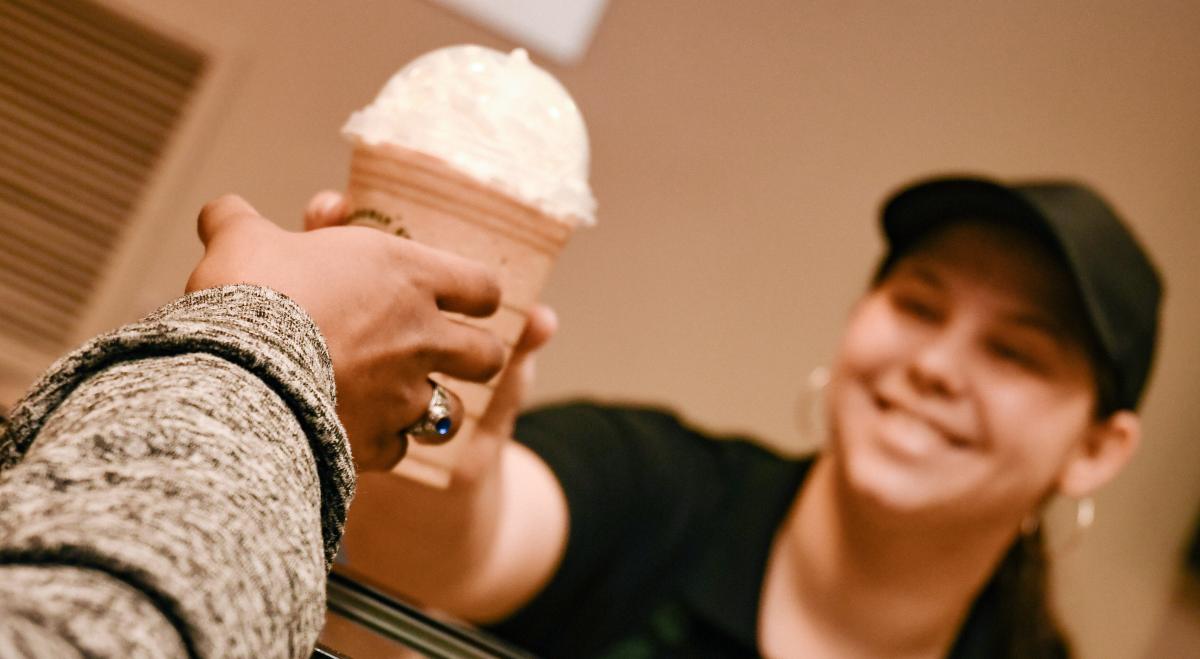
(1083, 520)
(1085, 516)
(810, 408)
(1085, 513)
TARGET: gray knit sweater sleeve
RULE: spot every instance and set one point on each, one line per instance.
(176, 488)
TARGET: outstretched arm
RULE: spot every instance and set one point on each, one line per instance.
(487, 544)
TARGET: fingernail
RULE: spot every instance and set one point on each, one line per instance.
(327, 202)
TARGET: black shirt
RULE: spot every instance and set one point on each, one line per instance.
(670, 532)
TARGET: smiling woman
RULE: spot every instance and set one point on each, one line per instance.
(997, 360)
(966, 381)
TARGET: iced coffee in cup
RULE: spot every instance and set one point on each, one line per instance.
(483, 154)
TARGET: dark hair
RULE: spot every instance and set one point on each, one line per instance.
(1014, 609)
(1108, 397)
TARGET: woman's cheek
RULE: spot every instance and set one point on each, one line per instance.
(872, 335)
(1035, 426)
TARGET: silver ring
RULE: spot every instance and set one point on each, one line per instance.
(437, 424)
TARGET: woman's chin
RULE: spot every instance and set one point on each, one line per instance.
(892, 487)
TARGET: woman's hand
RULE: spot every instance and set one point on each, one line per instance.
(495, 427)
(377, 300)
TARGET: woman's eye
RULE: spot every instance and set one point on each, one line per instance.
(917, 307)
(1019, 356)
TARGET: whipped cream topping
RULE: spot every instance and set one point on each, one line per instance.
(497, 118)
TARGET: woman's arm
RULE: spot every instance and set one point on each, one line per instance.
(486, 545)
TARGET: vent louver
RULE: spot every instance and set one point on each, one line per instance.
(88, 100)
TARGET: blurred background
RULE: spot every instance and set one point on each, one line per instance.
(740, 152)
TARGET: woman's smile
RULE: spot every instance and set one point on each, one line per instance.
(913, 432)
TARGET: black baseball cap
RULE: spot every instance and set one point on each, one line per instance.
(1120, 288)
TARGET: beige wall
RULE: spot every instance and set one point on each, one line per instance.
(740, 151)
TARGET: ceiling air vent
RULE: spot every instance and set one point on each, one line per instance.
(88, 100)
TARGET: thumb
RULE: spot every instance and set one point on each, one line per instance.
(327, 208)
(501, 413)
(220, 213)
(542, 325)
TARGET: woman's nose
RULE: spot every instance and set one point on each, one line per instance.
(938, 364)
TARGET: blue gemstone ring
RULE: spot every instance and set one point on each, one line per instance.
(438, 424)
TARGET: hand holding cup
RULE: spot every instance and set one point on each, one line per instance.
(379, 303)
